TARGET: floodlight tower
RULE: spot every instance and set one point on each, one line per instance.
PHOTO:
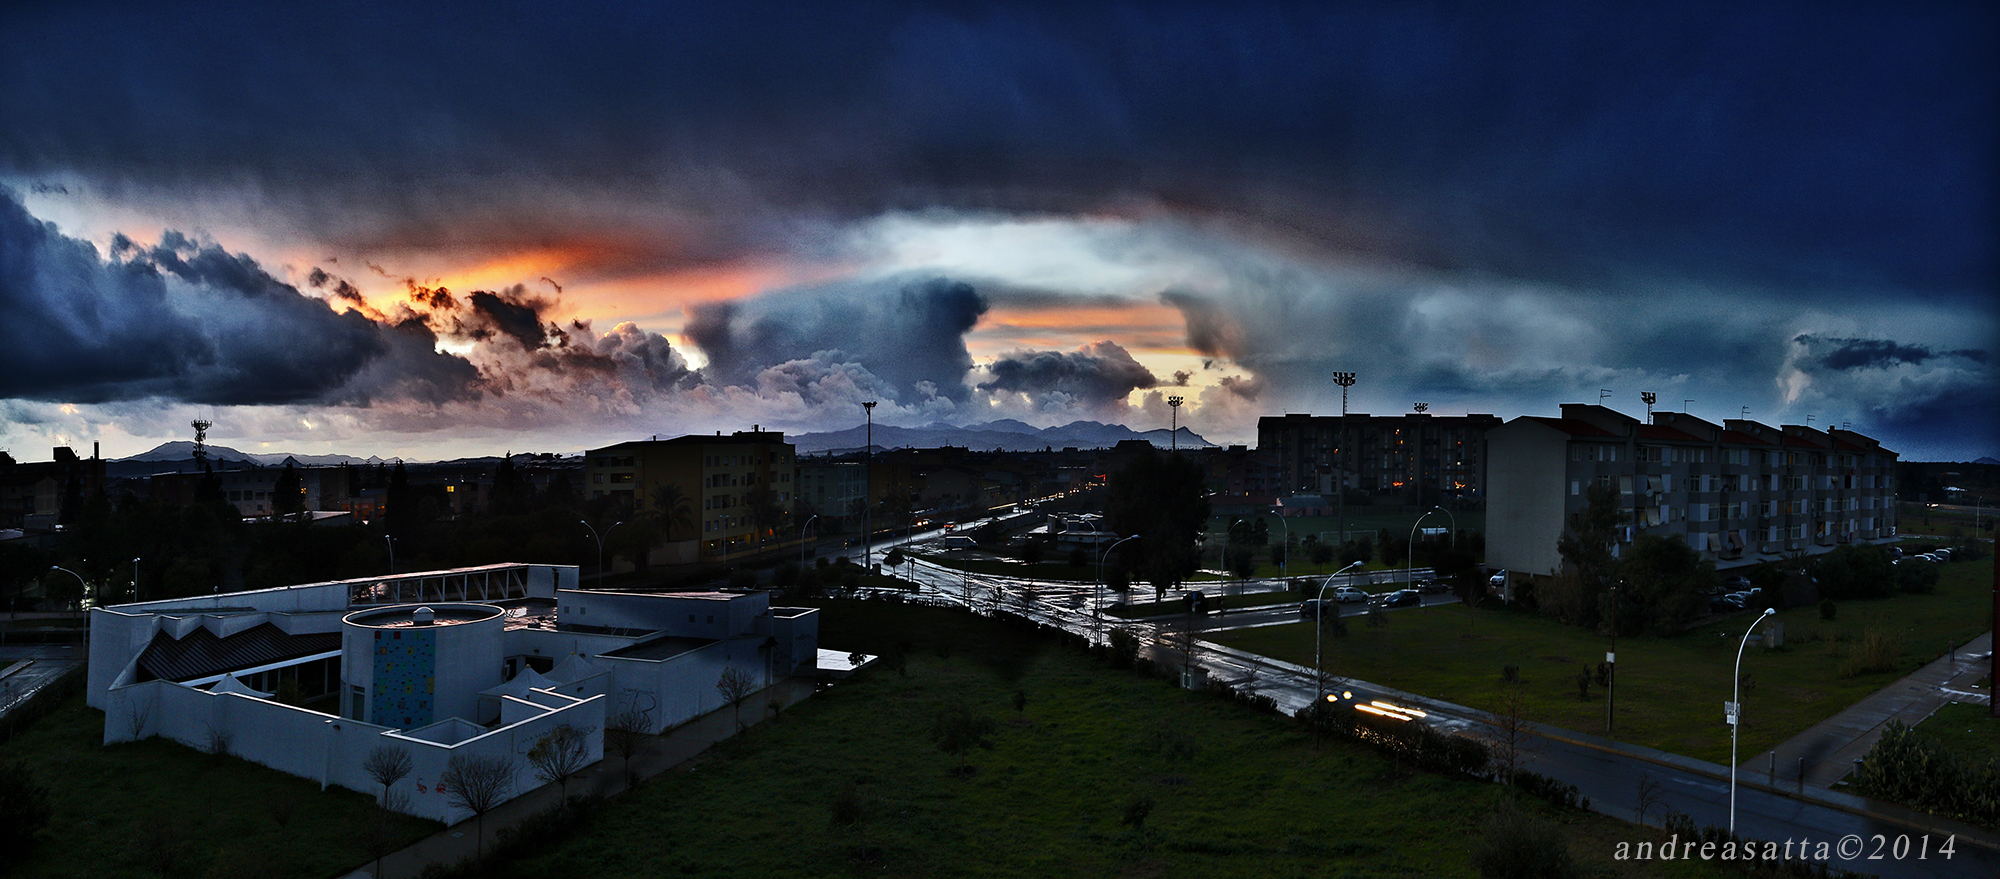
(1174, 432)
(868, 489)
(1345, 380)
(1649, 398)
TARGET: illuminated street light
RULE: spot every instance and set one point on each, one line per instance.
(1734, 712)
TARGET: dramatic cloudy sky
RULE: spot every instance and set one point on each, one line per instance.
(487, 226)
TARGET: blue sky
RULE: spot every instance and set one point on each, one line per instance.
(472, 227)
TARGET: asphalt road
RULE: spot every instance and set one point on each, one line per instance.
(1611, 774)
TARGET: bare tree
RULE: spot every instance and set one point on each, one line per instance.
(388, 764)
(625, 732)
(736, 685)
(1512, 732)
(477, 784)
(560, 754)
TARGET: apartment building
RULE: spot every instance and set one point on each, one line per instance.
(1739, 492)
(1394, 459)
(738, 490)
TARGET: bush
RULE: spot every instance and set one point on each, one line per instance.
(1827, 609)
(24, 808)
(1876, 653)
(1915, 770)
(1515, 845)
(1124, 648)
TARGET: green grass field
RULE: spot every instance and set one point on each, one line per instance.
(157, 808)
(1965, 729)
(1233, 792)
(1670, 690)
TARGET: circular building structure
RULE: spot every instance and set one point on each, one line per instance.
(407, 666)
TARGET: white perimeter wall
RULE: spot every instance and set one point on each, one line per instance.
(331, 749)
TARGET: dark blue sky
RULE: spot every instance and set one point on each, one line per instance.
(1494, 207)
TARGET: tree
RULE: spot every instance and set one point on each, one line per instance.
(476, 784)
(736, 685)
(1585, 547)
(625, 732)
(1665, 584)
(1162, 498)
(957, 730)
(559, 754)
(388, 764)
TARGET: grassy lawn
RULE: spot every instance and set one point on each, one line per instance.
(157, 808)
(1233, 792)
(1966, 730)
(1670, 690)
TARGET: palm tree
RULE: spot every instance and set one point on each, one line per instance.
(674, 507)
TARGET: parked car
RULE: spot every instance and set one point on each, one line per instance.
(1348, 595)
(1737, 583)
(1403, 598)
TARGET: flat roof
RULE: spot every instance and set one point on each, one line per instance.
(663, 647)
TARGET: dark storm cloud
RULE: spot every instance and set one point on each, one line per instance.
(1092, 376)
(907, 331)
(184, 321)
(510, 312)
(1561, 140)
(1865, 353)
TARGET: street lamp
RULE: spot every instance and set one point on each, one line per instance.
(1100, 581)
(868, 483)
(1454, 525)
(802, 540)
(135, 580)
(1285, 566)
(1735, 713)
(1410, 550)
(1319, 634)
(391, 540)
(1611, 665)
(600, 545)
(79, 578)
(1174, 432)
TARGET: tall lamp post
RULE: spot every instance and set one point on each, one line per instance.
(600, 544)
(1174, 431)
(135, 580)
(802, 540)
(1454, 525)
(868, 484)
(1319, 635)
(1735, 713)
(79, 579)
(390, 539)
(1410, 551)
(1285, 566)
(1100, 581)
(1611, 665)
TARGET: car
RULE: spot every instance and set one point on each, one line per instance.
(1432, 586)
(1737, 583)
(1942, 553)
(1349, 595)
(1403, 598)
(1498, 580)
(1313, 608)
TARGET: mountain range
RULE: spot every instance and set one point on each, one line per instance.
(1006, 435)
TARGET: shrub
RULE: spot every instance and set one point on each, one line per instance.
(24, 808)
(1876, 652)
(1515, 845)
(1827, 609)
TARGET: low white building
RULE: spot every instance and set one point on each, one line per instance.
(482, 661)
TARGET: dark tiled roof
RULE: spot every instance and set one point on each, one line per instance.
(201, 654)
(1571, 426)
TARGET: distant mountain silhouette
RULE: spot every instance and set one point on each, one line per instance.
(178, 457)
(1007, 435)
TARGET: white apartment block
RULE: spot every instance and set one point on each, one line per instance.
(1740, 492)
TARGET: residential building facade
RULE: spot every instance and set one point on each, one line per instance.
(1416, 459)
(729, 494)
(1739, 492)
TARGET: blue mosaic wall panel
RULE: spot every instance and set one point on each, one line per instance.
(405, 678)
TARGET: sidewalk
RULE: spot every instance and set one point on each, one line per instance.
(1830, 748)
(659, 754)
